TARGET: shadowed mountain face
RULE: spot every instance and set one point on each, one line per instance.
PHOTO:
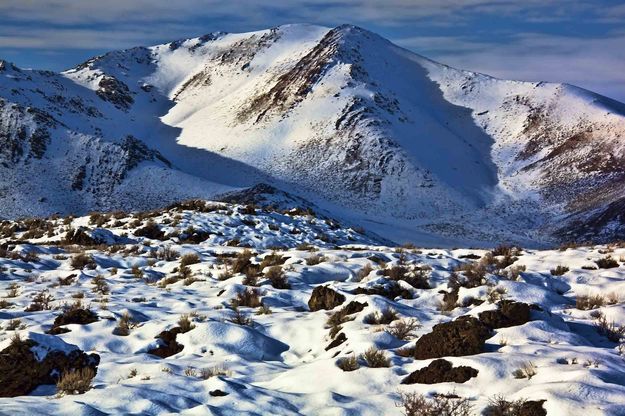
(376, 135)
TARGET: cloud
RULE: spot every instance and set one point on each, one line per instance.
(386, 12)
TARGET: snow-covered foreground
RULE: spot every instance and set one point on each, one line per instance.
(182, 268)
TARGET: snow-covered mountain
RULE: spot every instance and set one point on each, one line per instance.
(370, 132)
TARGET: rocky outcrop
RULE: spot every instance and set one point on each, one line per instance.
(509, 313)
(169, 345)
(324, 298)
(21, 370)
(464, 336)
(441, 371)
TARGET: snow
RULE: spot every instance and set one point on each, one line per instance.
(279, 364)
(383, 138)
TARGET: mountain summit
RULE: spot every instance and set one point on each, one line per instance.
(374, 134)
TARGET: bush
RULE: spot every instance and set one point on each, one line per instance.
(124, 324)
(40, 302)
(184, 323)
(588, 302)
(100, 285)
(82, 260)
(364, 272)
(150, 230)
(167, 253)
(610, 329)
(277, 277)
(607, 263)
(206, 373)
(376, 318)
(348, 363)
(188, 259)
(376, 358)
(272, 259)
(315, 259)
(249, 297)
(527, 370)
(559, 271)
(403, 329)
(240, 319)
(75, 381)
(415, 404)
(499, 406)
(242, 261)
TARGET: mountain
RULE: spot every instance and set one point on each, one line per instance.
(362, 129)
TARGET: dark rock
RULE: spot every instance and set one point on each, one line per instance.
(341, 338)
(464, 336)
(81, 238)
(21, 372)
(532, 408)
(324, 298)
(76, 316)
(509, 313)
(441, 371)
(390, 290)
(150, 230)
(353, 307)
(171, 346)
(217, 393)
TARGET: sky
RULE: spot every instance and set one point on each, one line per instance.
(578, 42)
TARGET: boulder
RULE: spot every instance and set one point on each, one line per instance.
(509, 313)
(33, 370)
(441, 371)
(323, 297)
(171, 346)
(464, 336)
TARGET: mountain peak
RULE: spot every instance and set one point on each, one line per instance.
(340, 117)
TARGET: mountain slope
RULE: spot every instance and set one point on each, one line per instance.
(407, 147)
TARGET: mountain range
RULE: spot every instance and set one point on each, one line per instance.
(340, 120)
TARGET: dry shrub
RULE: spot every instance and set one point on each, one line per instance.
(75, 381)
(167, 253)
(499, 406)
(348, 363)
(588, 302)
(315, 259)
(364, 272)
(415, 404)
(273, 259)
(240, 318)
(249, 297)
(124, 325)
(404, 328)
(82, 260)
(610, 330)
(188, 259)
(559, 270)
(527, 370)
(215, 371)
(277, 277)
(242, 261)
(376, 358)
(376, 318)
(40, 302)
(185, 324)
(606, 263)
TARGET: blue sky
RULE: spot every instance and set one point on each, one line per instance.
(579, 42)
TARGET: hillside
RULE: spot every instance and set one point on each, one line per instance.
(216, 308)
(366, 131)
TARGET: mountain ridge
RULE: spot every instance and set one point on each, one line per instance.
(363, 128)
